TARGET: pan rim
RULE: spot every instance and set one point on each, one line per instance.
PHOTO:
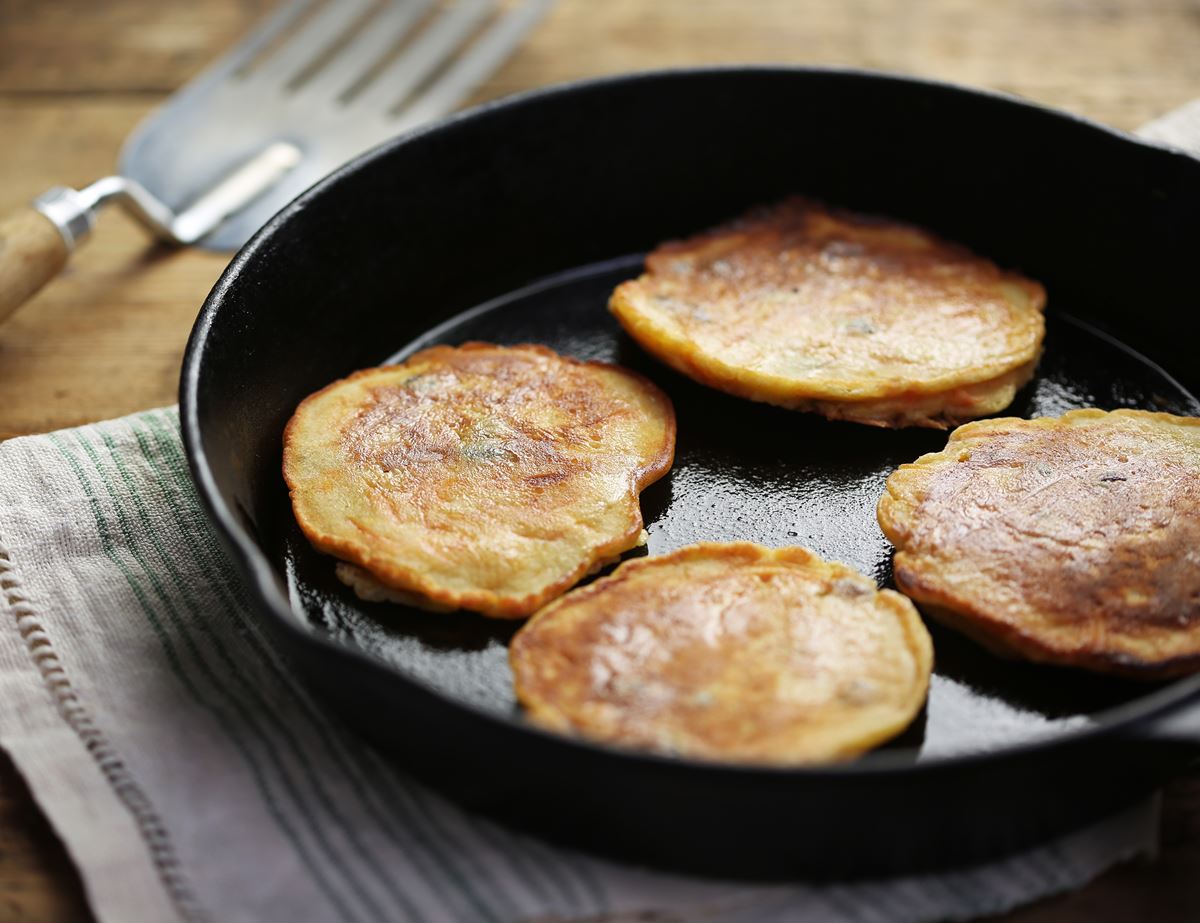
(1128, 720)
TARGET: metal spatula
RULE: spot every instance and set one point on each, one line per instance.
(313, 86)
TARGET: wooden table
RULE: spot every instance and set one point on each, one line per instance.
(107, 338)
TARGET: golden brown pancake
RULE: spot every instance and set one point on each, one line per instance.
(727, 652)
(1073, 541)
(851, 316)
(480, 477)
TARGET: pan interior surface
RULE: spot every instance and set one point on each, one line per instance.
(747, 471)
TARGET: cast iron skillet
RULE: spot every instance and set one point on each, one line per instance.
(524, 214)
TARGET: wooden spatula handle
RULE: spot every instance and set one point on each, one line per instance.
(32, 252)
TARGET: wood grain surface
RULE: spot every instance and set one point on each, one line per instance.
(107, 337)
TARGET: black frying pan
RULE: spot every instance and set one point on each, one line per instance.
(512, 224)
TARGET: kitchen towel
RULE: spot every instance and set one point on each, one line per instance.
(192, 777)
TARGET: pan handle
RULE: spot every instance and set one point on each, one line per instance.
(1178, 128)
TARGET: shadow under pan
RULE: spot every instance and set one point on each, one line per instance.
(747, 471)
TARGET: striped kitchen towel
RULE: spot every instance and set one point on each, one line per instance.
(192, 777)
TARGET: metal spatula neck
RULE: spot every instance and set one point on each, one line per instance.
(73, 211)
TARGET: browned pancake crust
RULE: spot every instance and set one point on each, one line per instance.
(851, 316)
(1073, 541)
(481, 477)
(727, 652)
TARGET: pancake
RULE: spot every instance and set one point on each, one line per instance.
(367, 588)
(1071, 541)
(730, 652)
(481, 477)
(850, 316)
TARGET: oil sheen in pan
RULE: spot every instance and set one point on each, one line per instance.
(759, 473)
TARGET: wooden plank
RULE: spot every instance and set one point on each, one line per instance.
(128, 46)
(1164, 890)
(1117, 60)
(38, 884)
(106, 338)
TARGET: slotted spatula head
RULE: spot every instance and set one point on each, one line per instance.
(330, 79)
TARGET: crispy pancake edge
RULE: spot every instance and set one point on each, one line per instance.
(548, 714)
(936, 410)
(485, 602)
(939, 404)
(898, 507)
